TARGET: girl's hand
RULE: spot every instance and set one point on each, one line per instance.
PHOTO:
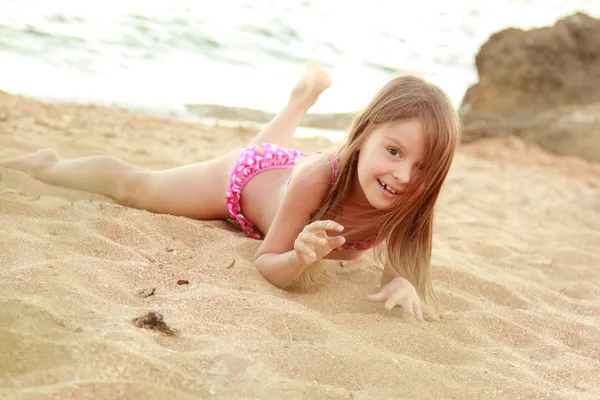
(401, 292)
(313, 243)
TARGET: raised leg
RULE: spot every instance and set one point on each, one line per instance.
(304, 95)
(194, 191)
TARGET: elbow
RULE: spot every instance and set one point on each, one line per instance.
(270, 274)
(275, 282)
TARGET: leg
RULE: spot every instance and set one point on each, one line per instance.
(304, 95)
(194, 191)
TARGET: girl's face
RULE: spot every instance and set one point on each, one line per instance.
(389, 159)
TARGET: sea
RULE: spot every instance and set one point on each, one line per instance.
(162, 56)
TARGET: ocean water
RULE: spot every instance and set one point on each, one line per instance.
(159, 56)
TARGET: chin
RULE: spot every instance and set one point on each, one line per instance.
(373, 196)
(380, 204)
(378, 201)
(382, 207)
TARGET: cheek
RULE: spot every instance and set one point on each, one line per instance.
(373, 168)
(364, 168)
(378, 167)
(365, 172)
(372, 164)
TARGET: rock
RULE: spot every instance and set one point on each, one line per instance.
(539, 69)
(570, 131)
(542, 85)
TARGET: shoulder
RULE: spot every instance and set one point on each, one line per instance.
(310, 182)
(314, 170)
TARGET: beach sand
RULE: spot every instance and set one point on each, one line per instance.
(516, 267)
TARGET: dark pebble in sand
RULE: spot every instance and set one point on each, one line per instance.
(154, 321)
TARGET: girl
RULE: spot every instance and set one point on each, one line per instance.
(378, 189)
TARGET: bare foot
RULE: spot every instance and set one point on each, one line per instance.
(313, 82)
(34, 164)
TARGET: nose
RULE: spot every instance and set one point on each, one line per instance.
(403, 173)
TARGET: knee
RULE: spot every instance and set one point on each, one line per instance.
(133, 189)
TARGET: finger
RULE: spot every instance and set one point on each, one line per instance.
(407, 306)
(417, 310)
(379, 296)
(336, 241)
(326, 225)
(309, 237)
(303, 248)
(430, 314)
(394, 299)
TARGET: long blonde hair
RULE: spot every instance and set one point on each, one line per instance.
(404, 231)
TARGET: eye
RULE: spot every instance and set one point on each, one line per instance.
(394, 152)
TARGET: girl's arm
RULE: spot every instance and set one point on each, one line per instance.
(276, 258)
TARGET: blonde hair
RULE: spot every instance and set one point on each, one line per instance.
(404, 231)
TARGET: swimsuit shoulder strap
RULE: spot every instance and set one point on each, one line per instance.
(333, 162)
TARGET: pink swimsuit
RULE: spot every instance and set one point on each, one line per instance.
(260, 158)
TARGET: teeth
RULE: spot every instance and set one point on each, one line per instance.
(389, 189)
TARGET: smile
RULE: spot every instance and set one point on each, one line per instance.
(388, 188)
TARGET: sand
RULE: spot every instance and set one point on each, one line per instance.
(516, 268)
